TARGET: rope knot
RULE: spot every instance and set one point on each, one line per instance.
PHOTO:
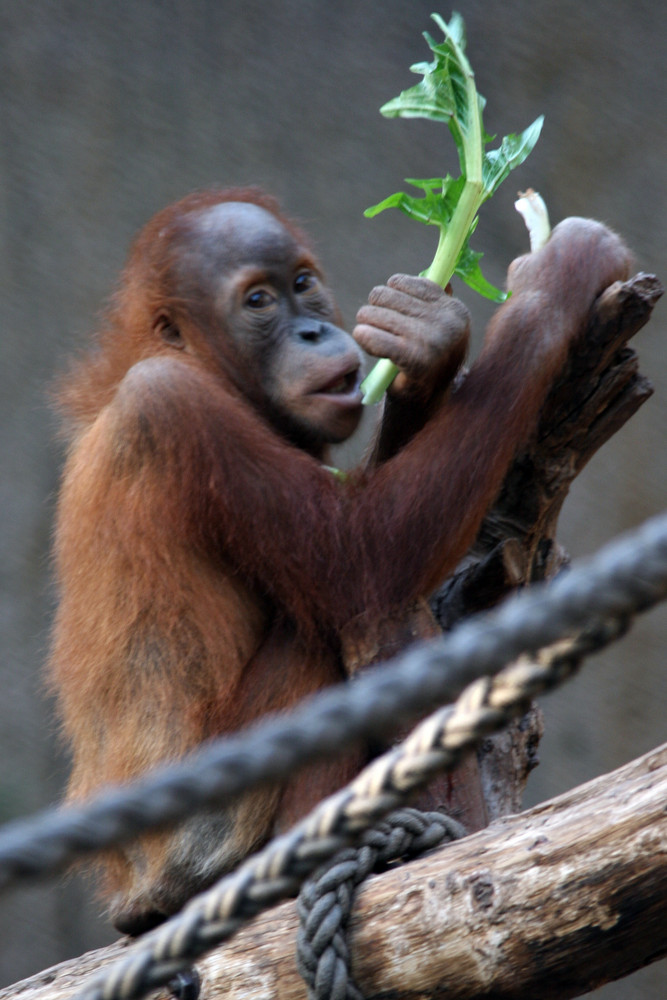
(325, 902)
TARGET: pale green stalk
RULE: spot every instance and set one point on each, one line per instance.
(453, 237)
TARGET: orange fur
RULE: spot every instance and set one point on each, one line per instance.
(207, 566)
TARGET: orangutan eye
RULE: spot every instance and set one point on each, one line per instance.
(259, 298)
(305, 282)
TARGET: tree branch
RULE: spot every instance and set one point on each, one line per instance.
(598, 392)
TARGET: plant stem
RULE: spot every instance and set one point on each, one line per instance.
(452, 238)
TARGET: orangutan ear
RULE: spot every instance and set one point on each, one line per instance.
(168, 331)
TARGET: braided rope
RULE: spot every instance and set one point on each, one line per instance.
(325, 901)
(624, 578)
(277, 871)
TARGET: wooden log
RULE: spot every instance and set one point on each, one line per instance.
(551, 903)
(599, 390)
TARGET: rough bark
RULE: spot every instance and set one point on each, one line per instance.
(549, 903)
(600, 389)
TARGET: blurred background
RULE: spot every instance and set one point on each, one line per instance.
(108, 111)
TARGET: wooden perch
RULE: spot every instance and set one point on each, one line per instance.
(600, 389)
(549, 903)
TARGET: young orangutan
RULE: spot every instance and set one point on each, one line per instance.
(208, 561)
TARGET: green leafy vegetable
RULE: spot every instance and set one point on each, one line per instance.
(447, 93)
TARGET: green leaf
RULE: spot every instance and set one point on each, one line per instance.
(444, 94)
(447, 93)
(430, 98)
(513, 150)
(434, 208)
(468, 269)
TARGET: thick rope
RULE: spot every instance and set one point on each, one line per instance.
(325, 901)
(277, 871)
(624, 578)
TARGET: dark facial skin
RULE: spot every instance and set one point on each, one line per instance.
(270, 300)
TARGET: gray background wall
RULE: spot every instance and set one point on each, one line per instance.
(110, 110)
